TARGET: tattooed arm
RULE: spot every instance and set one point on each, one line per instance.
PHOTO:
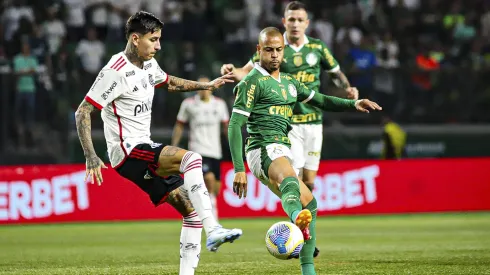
(84, 130)
(176, 84)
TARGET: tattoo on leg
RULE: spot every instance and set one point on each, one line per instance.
(170, 151)
(178, 199)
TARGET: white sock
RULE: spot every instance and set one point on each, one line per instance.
(214, 204)
(190, 244)
(191, 167)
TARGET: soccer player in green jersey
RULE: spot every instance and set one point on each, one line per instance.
(264, 101)
(304, 57)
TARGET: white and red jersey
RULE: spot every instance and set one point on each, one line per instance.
(204, 120)
(124, 93)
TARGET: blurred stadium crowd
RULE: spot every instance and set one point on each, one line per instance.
(425, 60)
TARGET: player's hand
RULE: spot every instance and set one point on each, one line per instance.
(220, 81)
(93, 166)
(352, 93)
(240, 184)
(365, 105)
(227, 68)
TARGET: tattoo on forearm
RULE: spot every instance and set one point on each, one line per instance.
(181, 85)
(169, 151)
(84, 130)
(340, 80)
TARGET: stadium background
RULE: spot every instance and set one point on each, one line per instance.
(432, 61)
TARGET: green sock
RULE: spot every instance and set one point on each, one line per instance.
(306, 254)
(290, 196)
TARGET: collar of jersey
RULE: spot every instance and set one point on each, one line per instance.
(198, 98)
(296, 49)
(265, 73)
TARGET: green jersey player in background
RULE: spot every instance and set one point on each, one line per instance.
(304, 58)
(264, 101)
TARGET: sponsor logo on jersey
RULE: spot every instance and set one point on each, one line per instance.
(135, 89)
(99, 77)
(143, 107)
(285, 111)
(329, 57)
(147, 66)
(131, 73)
(311, 59)
(304, 77)
(250, 96)
(292, 90)
(306, 118)
(106, 94)
(150, 78)
(314, 46)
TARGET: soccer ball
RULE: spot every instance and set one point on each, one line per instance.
(284, 240)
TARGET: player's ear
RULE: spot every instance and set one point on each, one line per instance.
(283, 22)
(134, 38)
(258, 49)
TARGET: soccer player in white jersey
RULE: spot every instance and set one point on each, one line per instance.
(124, 91)
(205, 114)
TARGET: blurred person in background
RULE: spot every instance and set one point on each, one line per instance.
(394, 140)
(75, 19)
(206, 114)
(54, 31)
(90, 52)
(12, 15)
(25, 66)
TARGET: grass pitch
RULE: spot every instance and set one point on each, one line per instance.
(403, 244)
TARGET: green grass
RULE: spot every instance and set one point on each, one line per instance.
(402, 244)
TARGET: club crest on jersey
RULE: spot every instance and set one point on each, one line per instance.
(152, 81)
(284, 94)
(311, 59)
(298, 60)
(143, 83)
(292, 90)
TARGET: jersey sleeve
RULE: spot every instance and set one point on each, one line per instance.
(108, 86)
(304, 94)
(161, 77)
(183, 115)
(328, 62)
(246, 93)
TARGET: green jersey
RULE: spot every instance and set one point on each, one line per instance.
(268, 103)
(265, 105)
(305, 63)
